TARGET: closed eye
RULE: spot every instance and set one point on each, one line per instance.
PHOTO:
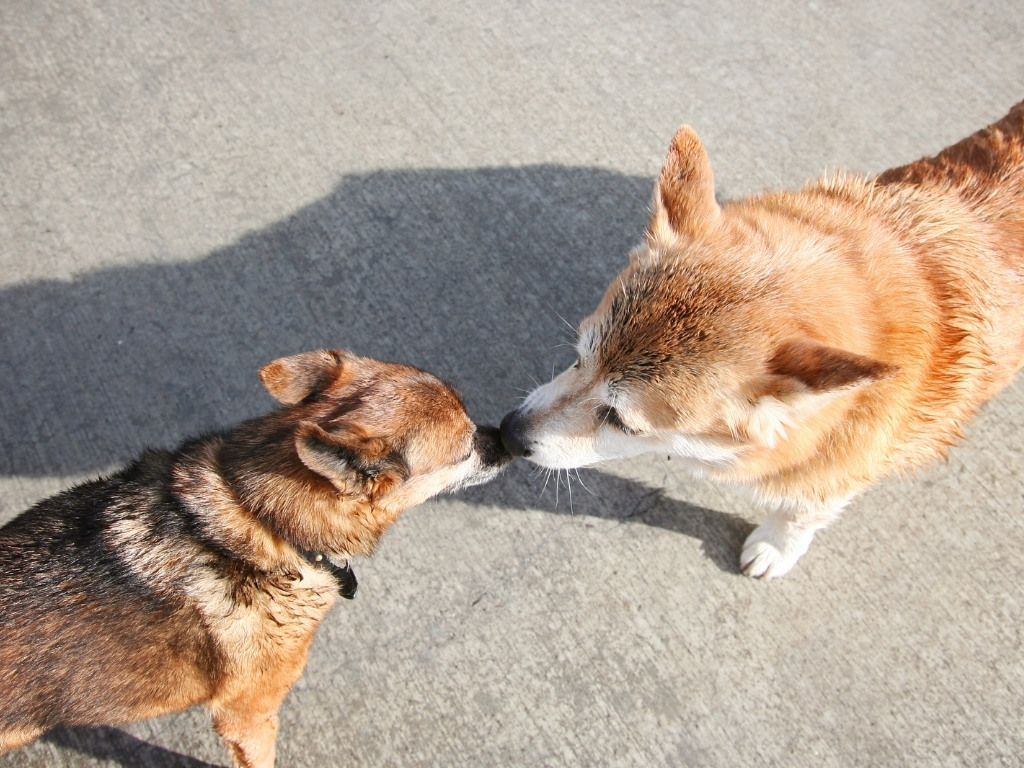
(608, 415)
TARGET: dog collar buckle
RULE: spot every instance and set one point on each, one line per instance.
(347, 582)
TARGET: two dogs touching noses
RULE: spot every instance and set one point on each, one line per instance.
(802, 344)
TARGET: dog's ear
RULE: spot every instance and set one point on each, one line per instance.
(802, 376)
(684, 197)
(290, 380)
(821, 368)
(354, 463)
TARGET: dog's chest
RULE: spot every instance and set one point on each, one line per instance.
(268, 615)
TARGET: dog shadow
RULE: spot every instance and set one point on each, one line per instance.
(121, 748)
(477, 275)
(466, 273)
(608, 497)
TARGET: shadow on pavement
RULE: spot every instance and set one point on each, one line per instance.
(467, 273)
(462, 272)
(121, 748)
(608, 497)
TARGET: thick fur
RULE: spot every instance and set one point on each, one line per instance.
(187, 577)
(803, 344)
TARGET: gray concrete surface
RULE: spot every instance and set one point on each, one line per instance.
(190, 189)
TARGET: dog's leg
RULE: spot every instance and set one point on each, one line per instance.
(774, 546)
(250, 735)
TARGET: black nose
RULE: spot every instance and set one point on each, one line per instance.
(491, 447)
(513, 434)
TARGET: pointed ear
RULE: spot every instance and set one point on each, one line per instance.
(821, 368)
(684, 197)
(290, 380)
(353, 463)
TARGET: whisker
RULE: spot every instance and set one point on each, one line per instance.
(568, 487)
(569, 325)
(580, 479)
(547, 478)
(527, 372)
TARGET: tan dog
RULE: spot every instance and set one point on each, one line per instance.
(802, 344)
(201, 575)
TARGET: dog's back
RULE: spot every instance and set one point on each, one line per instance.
(59, 649)
(986, 171)
(940, 245)
(973, 251)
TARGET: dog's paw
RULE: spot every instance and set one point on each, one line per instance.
(773, 548)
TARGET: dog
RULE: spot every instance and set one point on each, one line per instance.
(200, 575)
(802, 344)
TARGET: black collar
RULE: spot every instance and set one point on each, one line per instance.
(346, 577)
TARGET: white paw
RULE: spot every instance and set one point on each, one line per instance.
(773, 548)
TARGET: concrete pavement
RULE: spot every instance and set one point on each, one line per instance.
(190, 189)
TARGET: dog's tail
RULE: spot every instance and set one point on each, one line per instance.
(986, 168)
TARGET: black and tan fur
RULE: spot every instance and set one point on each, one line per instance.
(191, 576)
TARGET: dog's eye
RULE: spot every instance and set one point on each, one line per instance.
(608, 415)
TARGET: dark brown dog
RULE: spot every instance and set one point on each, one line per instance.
(200, 575)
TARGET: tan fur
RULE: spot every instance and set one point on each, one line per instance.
(217, 541)
(17, 738)
(802, 343)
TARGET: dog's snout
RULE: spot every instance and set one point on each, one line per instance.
(490, 447)
(513, 434)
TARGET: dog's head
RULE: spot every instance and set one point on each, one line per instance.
(712, 340)
(357, 442)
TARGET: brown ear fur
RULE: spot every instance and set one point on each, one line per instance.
(801, 375)
(355, 464)
(684, 197)
(821, 368)
(290, 380)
